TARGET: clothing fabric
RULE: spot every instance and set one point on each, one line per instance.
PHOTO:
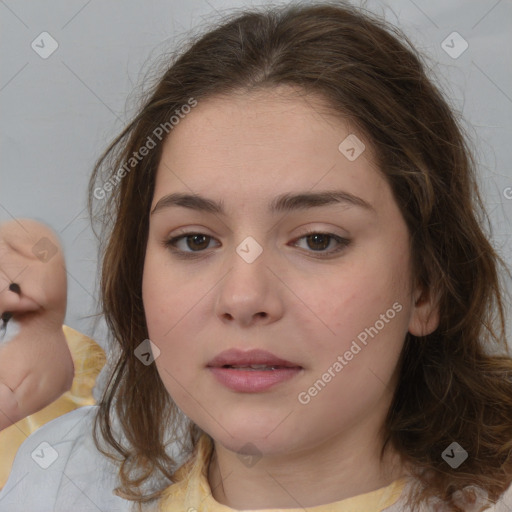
(59, 469)
(88, 359)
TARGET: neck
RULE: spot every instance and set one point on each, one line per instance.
(321, 475)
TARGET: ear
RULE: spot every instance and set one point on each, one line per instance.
(425, 313)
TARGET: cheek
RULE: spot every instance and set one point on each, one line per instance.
(169, 309)
(152, 299)
(350, 305)
(163, 295)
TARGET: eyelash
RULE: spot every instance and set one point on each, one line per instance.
(170, 244)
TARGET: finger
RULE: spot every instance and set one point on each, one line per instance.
(30, 253)
(17, 302)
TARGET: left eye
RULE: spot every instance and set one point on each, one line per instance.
(316, 241)
(321, 241)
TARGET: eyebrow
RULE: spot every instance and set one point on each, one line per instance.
(282, 203)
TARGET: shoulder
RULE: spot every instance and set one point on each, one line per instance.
(61, 461)
(503, 504)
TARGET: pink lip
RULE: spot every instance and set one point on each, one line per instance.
(238, 357)
(251, 381)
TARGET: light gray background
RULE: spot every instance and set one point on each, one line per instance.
(58, 113)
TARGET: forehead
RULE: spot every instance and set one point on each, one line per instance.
(264, 143)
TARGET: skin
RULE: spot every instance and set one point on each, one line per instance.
(245, 150)
(36, 366)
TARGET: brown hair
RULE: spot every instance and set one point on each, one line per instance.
(454, 384)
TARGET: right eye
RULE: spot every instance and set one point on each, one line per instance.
(191, 240)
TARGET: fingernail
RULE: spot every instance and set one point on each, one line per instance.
(15, 287)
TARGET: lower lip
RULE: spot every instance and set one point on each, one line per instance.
(252, 381)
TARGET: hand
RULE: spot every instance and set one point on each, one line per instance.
(36, 366)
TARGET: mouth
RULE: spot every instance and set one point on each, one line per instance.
(254, 367)
(254, 371)
(256, 360)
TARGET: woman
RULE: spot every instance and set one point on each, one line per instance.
(348, 269)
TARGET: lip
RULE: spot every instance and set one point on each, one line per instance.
(235, 357)
(251, 381)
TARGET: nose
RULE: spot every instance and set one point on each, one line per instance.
(250, 293)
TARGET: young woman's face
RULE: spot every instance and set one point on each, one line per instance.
(335, 305)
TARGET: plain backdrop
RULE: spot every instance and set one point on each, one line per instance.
(58, 113)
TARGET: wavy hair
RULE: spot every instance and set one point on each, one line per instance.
(454, 384)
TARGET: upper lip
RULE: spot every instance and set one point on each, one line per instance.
(235, 357)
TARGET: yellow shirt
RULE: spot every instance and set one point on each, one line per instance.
(191, 491)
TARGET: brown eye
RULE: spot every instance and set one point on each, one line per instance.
(193, 243)
(317, 242)
(197, 241)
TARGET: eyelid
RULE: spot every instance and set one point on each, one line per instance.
(326, 231)
(302, 231)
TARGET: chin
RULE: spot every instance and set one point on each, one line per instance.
(249, 440)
